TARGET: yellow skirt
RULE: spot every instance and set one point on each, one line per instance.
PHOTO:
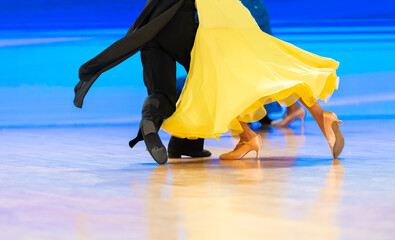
(236, 69)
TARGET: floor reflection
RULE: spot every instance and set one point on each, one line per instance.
(238, 199)
(78, 188)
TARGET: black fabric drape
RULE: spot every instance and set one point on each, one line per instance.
(153, 18)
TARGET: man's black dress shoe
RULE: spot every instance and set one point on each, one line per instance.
(184, 147)
(154, 145)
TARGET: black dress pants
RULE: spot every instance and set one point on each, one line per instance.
(159, 56)
(160, 80)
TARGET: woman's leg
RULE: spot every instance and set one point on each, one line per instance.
(247, 133)
(329, 124)
(318, 114)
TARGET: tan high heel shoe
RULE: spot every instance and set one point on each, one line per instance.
(289, 118)
(241, 149)
(239, 145)
(333, 134)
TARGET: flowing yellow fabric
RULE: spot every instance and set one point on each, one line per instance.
(236, 69)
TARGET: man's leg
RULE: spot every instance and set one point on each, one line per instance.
(160, 80)
(178, 146)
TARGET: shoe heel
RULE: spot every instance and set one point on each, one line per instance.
(333, 117)
(258, 147)
(258, 154)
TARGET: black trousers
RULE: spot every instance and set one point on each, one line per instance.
(160, 80)
(159, 56)
(160, 77)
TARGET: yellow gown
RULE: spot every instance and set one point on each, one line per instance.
(236, 69)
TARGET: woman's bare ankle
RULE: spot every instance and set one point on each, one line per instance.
(247, 136)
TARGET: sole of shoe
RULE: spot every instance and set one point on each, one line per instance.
(339, 143)
(153, 143)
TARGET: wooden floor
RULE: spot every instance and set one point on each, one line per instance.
(85, 183)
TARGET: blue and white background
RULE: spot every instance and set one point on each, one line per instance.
(43, 43)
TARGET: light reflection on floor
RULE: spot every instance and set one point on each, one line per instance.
(85, 183)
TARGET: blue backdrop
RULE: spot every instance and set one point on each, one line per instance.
(43, 43)
(121, 13)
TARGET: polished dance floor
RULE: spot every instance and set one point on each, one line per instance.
(85, 183)
(67, 173)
